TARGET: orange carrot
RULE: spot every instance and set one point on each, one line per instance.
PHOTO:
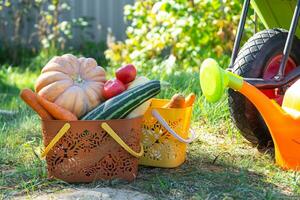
(55, 110)
(177, 101)
(30, 98)
(189, 100)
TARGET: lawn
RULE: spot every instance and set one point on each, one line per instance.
(220, 163)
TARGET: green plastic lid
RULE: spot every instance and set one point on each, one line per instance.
(212, 80)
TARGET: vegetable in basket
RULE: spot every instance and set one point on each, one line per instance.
(55, 110)
(179, 101)
(113, 88)
(120, 106)
(141, 110)
(72, 83)
(126, 74)
(30, 98)
(190, 99)
(44, 108)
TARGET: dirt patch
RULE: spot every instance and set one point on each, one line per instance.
(90, 194)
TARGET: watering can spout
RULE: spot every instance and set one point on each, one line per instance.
(214, 80)
(284, 128)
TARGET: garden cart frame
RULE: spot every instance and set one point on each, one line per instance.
(270, 61)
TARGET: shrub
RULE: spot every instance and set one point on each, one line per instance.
(188, 31)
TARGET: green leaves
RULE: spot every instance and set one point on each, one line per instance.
(188, 30)
(4, 3)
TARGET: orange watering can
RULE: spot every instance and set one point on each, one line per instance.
(283, 122)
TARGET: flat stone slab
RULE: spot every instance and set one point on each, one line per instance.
(91, 194)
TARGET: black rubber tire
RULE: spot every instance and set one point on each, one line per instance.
(251, 62)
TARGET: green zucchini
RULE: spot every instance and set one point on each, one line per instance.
(121, 105)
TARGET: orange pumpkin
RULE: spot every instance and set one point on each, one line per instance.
(74, 83)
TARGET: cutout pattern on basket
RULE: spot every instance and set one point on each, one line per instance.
(70, 145)
(158, 143)
(77, 155)
(111, 165)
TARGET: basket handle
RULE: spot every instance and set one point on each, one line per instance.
(156, 114)
(106, 127)
(115, 136)
(57, 137)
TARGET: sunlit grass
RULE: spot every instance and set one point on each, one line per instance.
(11, 81)
(16, 77)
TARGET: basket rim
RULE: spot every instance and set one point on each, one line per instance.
(82, 121)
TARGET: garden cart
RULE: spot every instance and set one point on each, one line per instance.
(269, 60)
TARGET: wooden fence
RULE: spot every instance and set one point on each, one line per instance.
(105, 14)
(102, 14)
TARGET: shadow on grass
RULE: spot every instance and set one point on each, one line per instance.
(200, 178)
(203, 180)
(193, 180)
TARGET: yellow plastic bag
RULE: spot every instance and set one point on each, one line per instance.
(165, 135)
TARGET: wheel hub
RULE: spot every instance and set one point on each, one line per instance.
(270, 71)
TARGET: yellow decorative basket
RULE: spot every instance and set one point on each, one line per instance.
(165, 135)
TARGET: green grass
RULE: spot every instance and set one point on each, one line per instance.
(220, 164)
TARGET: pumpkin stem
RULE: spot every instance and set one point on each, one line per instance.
(78, 80)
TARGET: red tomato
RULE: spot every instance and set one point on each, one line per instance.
(126, 74)
(113, 88)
